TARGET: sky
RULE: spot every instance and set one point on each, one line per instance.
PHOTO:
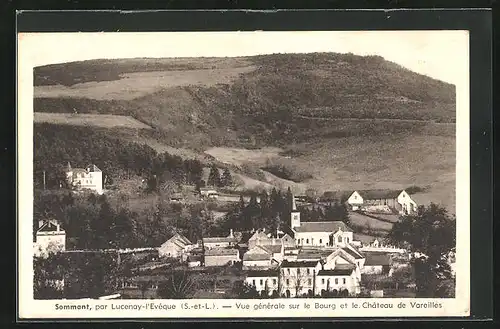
(442, 55)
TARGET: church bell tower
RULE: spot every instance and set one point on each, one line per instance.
(295, 214)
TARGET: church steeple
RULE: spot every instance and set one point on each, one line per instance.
(295, 214)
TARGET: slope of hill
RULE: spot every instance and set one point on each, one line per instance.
(344, 121)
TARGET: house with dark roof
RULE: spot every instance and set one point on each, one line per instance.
(175, 247)
(221, 256)
(377, 263)
(220, 242)
(398, 201)
(341, 280)
(49, 237)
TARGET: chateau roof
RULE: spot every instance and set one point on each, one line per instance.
(322, 227)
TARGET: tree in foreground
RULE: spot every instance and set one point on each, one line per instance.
(244, 290)
(179, 285)
(430, 235)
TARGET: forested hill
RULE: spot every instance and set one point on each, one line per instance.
(268, 100)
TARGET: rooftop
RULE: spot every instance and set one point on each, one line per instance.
(256, 257)
(377, 259)
(335, 272)
(262, 273)
(286, 264)
(221, 252)
(323, 227)
(219, 239)
(353, 253)
(379, 194)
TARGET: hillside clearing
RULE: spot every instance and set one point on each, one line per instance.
(134, 85)
(95, 120)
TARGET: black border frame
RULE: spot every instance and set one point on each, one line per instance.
(477, 21)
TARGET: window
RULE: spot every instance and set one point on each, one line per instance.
(298, 271)
(322, 281)
(355, 197)
(339, 239)
(307, 241)
(347, 240)
(320, 241)
(336, 281)
(274, 281)
(309, 281)
(312, 241)
(287, 282)
(344, 280)
(308, 271)
(288, 271)
(262, 282)
(253, 282)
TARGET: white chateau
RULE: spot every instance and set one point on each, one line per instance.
(89, 178)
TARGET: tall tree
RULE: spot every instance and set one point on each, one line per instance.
(430, 235)
(214, 176)
(226, 179)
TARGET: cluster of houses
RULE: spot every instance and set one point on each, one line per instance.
(306, 258)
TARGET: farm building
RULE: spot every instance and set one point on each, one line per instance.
(221, 257)
(382, 201)
(89, 178)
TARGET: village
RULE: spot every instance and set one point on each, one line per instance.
(303, 259)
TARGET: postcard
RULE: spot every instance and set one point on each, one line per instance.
(243, 174)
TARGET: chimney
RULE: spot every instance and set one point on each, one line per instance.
(231, 233)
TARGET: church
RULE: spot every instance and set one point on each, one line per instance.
(319, 234)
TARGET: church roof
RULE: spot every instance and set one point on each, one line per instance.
(322, 227)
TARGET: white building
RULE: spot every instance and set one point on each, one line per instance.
(298, 278)
(175, 247)
(89, 178)
(49, 238)
(265, 282)
(382, 201)
(319, 234)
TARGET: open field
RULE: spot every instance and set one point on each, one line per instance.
(95, 120)
(134, 85)
(368, 222)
